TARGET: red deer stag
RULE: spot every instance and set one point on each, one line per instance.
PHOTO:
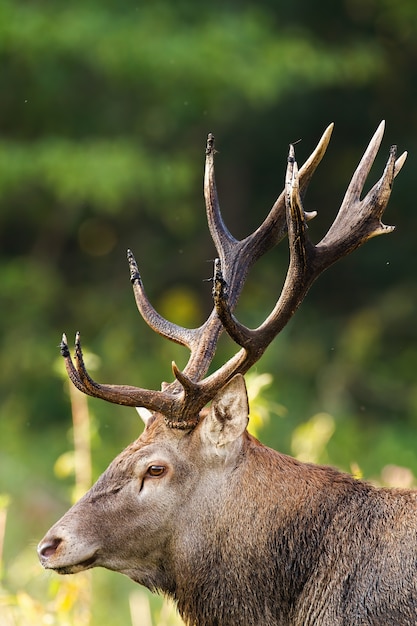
(197, 509)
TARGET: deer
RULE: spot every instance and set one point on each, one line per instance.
(197, 509)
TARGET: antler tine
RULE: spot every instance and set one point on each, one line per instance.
(399, 163)
(307, 170)
(69, 366)
(361, 173)
(160, 401)
(221, 236)
(169, 330)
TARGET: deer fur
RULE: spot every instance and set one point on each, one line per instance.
(241, 535)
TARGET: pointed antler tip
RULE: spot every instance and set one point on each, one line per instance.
(381, 229)
(379, 132)
(310, 215)
(177, 372)
(210, 144)
(133, 267)
(291, 153)
(187, 384)
(400, 162)
(63, 346)
(327, 133)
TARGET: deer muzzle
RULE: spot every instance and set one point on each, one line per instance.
(65, 555)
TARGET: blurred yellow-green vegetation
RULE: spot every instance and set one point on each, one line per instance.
(104, 112)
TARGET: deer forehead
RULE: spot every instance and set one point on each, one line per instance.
(162, 445)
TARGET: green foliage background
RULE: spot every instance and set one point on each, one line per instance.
(104, 112)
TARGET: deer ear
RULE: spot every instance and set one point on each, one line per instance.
(145, 414)
(228, 415)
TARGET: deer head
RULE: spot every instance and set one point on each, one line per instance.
(182, 497)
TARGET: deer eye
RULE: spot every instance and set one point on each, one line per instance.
(155, 471)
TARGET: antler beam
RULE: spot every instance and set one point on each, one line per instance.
(356, 222)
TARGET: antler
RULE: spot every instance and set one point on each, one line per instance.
(357, 221)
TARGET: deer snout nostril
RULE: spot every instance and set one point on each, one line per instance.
(47, 549)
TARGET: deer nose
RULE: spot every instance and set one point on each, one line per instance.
(48, 548)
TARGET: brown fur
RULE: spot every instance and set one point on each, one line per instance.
(241, 535)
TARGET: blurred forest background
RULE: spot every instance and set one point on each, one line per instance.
(104, 112)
